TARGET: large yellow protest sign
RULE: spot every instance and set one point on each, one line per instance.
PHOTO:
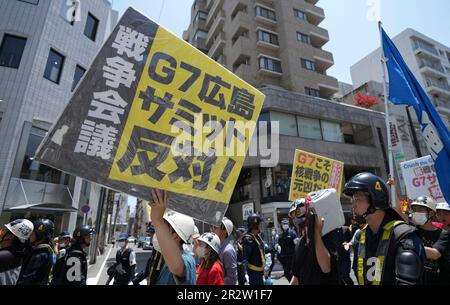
(155, 112)
(312, 172)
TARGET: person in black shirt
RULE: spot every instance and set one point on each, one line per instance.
(316, 257)
(424, 209)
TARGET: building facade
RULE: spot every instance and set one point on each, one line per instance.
(427, 59)
(266, 42)
(46, 46)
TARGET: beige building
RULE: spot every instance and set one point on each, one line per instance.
(266, 42)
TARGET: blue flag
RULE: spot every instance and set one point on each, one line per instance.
(405, 89)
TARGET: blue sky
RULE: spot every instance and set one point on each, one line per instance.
(352, 34)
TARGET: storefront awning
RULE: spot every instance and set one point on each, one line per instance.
(49, 207)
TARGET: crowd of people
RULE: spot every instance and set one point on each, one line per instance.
(382, 246)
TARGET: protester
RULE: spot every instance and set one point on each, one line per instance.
(75, 267)
(287, 241)
(443, 214)
(227, 253)
(62, 244)
(424, 210)
(37, 265)
(210, 270)
(12, 251)
(253, 247)
(386, 236)
(172, 229)
(315, 261)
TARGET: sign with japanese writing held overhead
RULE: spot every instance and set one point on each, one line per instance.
(420, 179)
(155, 112)
(312, 172)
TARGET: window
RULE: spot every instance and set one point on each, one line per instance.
(332, 132)
(312, 92)
(243, 189)
(308, 65)
(91, 27)
(267, 37)
(33, 170)
(303, 38)
(200, 35)
(300, 14)
(11, 51)
(200, 16)
(288, 124)
(54, 66)
(270, 64)
(309, 128)
(79, 72)
(263, 12)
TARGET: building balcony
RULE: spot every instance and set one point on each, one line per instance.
(215, 28)
(314, 13)
(242, 46)
(319, 37)
(327, 86)
(423, 49)
(442, 105)
(217, 46)
(214, 10)
(267, 45)
(244, 72)
(429, 67)
(200, 44)
(323, 59)
(222, 59)
(30, 195)
(313, 2)
(437, 87)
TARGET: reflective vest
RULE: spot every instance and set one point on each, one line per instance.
(382, 250)
(263, 257)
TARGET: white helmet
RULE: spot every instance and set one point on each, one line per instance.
(194, 235)
(443, 206)
(182, 224)
(425, 201)
(21, 228)
(212, 240)
(228, 225)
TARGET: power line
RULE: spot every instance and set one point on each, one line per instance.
(161, 10)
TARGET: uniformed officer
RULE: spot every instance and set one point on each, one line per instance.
(254, 255)
(390, 252)
(38, 264)
(63, 243)
(125, 262)
(287, 241)
(240, 255)
(74, 271)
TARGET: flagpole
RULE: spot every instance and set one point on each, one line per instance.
(388, 127)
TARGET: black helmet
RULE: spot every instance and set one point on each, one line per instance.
(253, 220)
(64, 234)
(151, 229)
(373, 186)
(81, 232)
(43, 228)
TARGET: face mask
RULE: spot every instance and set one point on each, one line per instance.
(420, 218)
(201, 251)
(274, 233)
(155, 243)
(62, 245)
(299, 222)
(121, 244)
(285, 227)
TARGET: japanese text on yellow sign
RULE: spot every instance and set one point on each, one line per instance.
(312, 172)
(180, 95)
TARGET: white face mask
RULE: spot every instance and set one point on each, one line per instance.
(121, 244)
(420, 218)
(201, 251)
(285, 227)
(62, 245)
(274, 233)
(155, 243)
